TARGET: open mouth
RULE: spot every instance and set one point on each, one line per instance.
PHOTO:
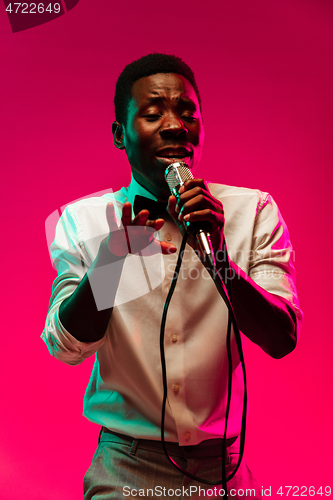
(169, 155)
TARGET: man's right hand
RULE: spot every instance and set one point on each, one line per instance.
(135, 235)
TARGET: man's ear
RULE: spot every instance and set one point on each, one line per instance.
(118, 136)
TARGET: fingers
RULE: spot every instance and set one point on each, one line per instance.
(142, 219)
(136, 235)
(126, 217)
(196, 203)
(191, 183)
(215, 220)
(167, 248)
(196, 192)
(111, 217)
(155, 224)
(141, 240)
(202, 204)
(156, 246)
(172, 203)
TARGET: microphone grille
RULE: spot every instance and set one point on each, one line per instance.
(176, 174)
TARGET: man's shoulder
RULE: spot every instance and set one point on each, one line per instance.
(87, 216)
(237, 195)
(96, 202)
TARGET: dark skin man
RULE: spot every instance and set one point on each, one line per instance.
(164, 125)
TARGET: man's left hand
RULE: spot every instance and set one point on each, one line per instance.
(196, 204)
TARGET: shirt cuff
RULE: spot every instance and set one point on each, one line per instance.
(62, 345)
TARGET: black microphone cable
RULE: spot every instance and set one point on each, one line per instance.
(225, 292)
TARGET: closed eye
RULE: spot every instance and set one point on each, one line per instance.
(190, 118)
(152, 117)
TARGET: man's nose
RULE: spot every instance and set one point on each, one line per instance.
(173, 125)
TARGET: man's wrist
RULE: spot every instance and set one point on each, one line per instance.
(105, 256)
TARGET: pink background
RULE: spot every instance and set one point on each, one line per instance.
(264, 68)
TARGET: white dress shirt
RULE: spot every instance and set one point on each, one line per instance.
(125, 389)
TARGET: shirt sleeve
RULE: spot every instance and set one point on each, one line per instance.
(72, 261)
(271, 261)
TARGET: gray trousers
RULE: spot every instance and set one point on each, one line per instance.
(124, 467)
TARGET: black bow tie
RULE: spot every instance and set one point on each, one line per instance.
(156, 208)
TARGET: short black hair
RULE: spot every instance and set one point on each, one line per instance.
(146, 66)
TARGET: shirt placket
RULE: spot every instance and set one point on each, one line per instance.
(174, 342)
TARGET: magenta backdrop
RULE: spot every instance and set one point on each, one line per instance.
(265, 72)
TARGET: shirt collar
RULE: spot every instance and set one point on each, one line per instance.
(136, 189)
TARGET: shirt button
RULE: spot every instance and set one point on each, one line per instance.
(176, 388)
(187, 436)
(174, 338)
(168, 237)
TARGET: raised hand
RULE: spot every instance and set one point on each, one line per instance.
(135, 235)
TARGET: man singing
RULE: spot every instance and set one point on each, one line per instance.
(116, 255)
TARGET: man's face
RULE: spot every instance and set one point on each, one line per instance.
(163, 125)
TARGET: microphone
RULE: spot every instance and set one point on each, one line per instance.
(176, 174)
